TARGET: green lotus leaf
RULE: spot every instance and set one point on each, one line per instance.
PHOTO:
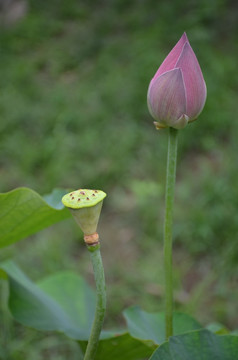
(151, 326)
(23, 212)
(198, 345)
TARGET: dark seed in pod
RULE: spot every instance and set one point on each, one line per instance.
(93, 195)
(78, 199)
(87, 198)
(82, 192)
(95, 191)
(72, 198)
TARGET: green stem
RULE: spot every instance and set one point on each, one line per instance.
(101, 302)
(168, 224)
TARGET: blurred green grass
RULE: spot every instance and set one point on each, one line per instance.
(74, 77)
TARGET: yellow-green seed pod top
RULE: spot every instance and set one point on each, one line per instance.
(81, 198)
(85, 206)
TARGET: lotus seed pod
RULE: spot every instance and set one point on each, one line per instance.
(85, 206)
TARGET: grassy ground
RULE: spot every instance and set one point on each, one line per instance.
(74, 78)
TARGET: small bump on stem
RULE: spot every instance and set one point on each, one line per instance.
(91, 239)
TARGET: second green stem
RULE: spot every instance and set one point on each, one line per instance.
(101, 302)
(168, 225)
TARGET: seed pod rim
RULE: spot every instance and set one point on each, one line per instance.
(71, 200)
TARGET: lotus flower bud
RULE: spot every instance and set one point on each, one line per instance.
(177, 93)
(85, 206)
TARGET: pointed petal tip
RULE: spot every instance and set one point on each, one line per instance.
(172, 58)
(184, 39)
(185, 35)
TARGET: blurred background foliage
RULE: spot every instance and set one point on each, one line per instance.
(74, 77)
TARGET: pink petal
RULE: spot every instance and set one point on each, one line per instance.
(170, 61)
(195, 86)
(166, 97)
